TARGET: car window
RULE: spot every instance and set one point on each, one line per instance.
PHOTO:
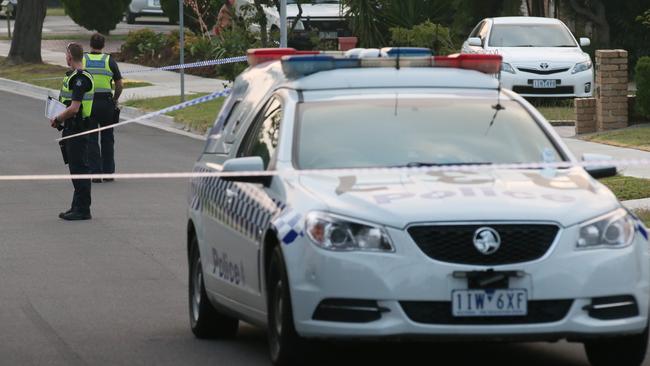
(215, 143)
(531, 35)
(262, 137)
(476, 30)
(411, 131)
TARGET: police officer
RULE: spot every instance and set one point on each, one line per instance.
(104, 71)
(77, 94)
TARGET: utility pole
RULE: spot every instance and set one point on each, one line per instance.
(283, 23)
(181, 37)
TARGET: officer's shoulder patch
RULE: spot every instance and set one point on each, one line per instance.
(79, 83)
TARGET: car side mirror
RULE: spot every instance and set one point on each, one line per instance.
(585, 42)
(475, 42)
(244, 165)
(599, 171)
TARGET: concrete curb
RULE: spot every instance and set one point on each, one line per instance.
(640, 204)
(164, 123)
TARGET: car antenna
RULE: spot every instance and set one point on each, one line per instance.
(497, 107)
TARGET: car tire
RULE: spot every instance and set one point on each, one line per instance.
(130, 17)
(285, 345)
(619, 351)
(206, 322)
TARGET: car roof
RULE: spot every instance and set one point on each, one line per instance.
(525, 20)
(270, 75)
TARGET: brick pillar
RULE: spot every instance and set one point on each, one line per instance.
(612, 81)
(585, 115)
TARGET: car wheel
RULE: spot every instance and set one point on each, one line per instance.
(285, 345)
(130, 17)
(205, 320)
(620, 351)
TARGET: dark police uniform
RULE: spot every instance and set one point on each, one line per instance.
(104, 70)
(78, 86)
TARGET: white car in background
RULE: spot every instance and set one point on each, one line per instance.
(327, 17)
(541, 56)
(139, 8)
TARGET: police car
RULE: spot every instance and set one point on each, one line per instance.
(360, 198)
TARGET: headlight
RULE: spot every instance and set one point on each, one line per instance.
(583, 66)
(507, 67)
(332, 232)
(614, 230)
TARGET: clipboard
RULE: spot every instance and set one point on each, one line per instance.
(53, 108)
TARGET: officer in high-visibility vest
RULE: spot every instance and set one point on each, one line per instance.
(105, 72)
(77, 93)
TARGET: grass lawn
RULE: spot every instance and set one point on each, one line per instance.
(628, 188)
(634, 137)
(199, 117)
(32, 73)
(55, 12)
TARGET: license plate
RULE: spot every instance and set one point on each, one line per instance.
(328, 35)
(505, 302)
(544, 84)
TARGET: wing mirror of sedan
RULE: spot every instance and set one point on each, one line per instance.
(600, 171)
(585, 42)
(475, 42)
(247, 164)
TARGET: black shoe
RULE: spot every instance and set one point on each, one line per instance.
(97, 180)
(76, 215)
(109, 180)
(64, 213)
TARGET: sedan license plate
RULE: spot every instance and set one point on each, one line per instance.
(504, 302)
(544, 84)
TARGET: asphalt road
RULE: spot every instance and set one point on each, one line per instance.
(112, 291)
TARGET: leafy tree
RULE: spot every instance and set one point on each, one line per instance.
(199, 15)
(427, 34)
(28, 29)
(98, 15)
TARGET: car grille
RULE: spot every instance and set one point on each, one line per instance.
(439, 312)
(530, 90)
(455, 243)
(542, 72)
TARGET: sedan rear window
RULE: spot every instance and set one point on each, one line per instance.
(531, 35)
(417, 131)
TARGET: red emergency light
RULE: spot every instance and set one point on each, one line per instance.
(489, 64)
(260, 55)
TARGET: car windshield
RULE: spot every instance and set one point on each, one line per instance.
(403, 131)
(531, 35)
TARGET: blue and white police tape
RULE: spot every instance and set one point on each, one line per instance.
(336, 172)
(173, 108)
(221, 61)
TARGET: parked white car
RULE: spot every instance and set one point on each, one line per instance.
(325, 16)
(5, 7)
(310, 244)
(541, 56)
(139, 8)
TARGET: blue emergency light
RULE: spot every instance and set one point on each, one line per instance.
(407, 52)
(298, 66)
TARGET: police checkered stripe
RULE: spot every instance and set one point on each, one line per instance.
(173, 108)
(221, 61)
(289, 226)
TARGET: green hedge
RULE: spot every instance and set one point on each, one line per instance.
(642, 78)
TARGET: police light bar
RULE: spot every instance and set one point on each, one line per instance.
(406, 52)
(297, 66)
(489, 64)
(257, 56)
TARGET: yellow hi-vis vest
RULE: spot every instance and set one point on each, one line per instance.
(98, 66)
(65, 95)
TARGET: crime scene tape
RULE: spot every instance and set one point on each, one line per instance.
(219, 61)
(339, 172)
(173, 108)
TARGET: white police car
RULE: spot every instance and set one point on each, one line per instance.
(315, 240)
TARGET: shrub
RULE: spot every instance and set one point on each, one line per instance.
(642, 79)
(99, 15)
(427, 34)
(147, 47)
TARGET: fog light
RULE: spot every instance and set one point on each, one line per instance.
(587, 87)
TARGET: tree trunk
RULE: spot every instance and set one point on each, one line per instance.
(28, 29)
